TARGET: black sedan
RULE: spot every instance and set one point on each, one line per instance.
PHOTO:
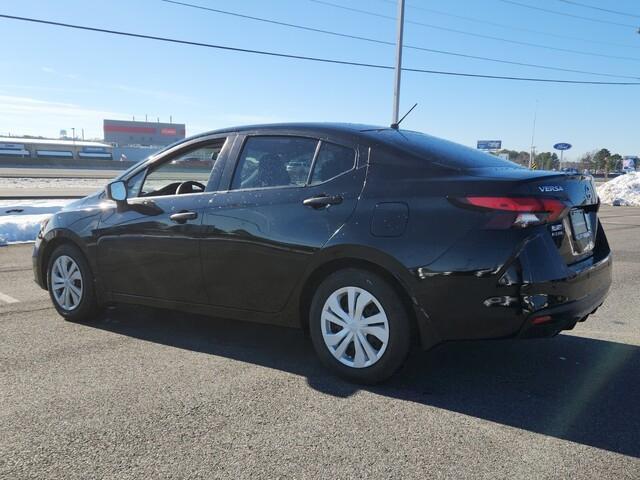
(371, 239)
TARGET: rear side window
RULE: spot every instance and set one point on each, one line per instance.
(442, 151)
(274, 161)
(332, 161)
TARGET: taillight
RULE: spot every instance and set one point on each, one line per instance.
(518, 211)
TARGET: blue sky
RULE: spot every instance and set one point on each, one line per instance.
(55, 79)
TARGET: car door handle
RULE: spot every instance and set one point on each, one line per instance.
(182, 217)
(322, 201)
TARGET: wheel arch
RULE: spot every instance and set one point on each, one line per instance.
(53, 240)
(322, 271)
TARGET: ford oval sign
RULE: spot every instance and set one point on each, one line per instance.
(562, 146)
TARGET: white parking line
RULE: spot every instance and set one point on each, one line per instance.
(8, 299)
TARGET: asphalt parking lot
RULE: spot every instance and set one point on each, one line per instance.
(140, 393)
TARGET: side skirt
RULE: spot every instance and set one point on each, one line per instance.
(280, 319)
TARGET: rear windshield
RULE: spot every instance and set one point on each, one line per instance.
(441, 151)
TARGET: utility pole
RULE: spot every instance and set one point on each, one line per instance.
(396, 89)
(533, 135)
(532, 158)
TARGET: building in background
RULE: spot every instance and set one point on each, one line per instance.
(135, 141)
(127, 133)
(630, 163)
(20, 147)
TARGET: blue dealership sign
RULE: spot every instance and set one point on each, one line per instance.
(489, 144)
(562, 146)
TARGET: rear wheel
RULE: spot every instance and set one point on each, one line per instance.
(70, 284)
(359, 326)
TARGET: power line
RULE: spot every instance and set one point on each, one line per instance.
(512, 27)
(555, 12)
(304, 57)
(384, 42)
(276, 22)
(593, 7)
(478, 35)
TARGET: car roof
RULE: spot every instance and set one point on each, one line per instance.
(317, 127)
(399, 140)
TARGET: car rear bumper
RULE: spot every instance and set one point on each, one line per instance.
(559, 305)
(512, 301)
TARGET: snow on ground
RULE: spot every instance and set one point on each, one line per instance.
(623, 190)
(58, 183)
(20, 219)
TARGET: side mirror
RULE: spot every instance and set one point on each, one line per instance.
(117, 191)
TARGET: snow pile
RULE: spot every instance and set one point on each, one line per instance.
(20, 219)
(622, 190)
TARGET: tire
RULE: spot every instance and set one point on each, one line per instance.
(76, 307)
(383, 324)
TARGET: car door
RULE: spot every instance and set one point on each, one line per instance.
(150, 246)
(286, 196)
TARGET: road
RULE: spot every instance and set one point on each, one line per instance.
(52, 182)
(140, 393)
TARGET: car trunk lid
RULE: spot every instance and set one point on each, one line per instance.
(574, 234)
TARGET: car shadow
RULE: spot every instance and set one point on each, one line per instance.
(578, 389)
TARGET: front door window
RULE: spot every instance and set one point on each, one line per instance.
(187, 173)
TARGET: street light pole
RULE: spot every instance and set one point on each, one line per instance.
(73, 130)
(396, 89)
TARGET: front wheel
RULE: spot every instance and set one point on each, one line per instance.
(359, 326)
(70, 284)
